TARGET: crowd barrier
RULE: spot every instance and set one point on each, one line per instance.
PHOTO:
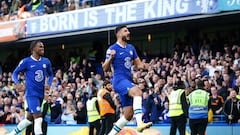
(164, 129)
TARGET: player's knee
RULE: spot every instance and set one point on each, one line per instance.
(37, 115)
(128, 116)
(135, 91)
(30, 117)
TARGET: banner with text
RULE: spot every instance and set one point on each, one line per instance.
(114, 14)
(226, 5)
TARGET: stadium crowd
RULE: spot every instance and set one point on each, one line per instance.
(216, 62)
(20, 9)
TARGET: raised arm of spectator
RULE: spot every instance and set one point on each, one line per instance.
(147, 79)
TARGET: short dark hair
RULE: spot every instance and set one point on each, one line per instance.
(200, 84)
(118, 28)
(33, 44)
(236, 88)
(180, 84)
(106, 82)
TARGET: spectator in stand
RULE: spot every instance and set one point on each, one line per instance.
(217, 77)
(48, 6)
(74, 4)
(56, 110)
(227, 50)
(4, 8)
(155, 105)
(237, 86)
(164, 117)
(58, 95)
(90, 86)
(227, 82)
(58, 6)
(146, 113)
(4, 93)
(14, 115)
(236, 60)
(69, 114)
(207, 85)
(204, 55)
(14, 102)
(37, 6)
(216, 102)
(21, 99)
(6, 116)
(14, 7)
(119, 109)
(100, 2)
(97, 80)
(84, 95)
(221, 91)
(169, 85)
(87, 3)
(236, 75)
(21, 114)
(213, 67)
(81, 113)
(231, 108)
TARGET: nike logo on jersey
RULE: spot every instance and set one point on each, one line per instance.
(32, 66)
(121, 53)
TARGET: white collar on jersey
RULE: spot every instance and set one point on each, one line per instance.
(120, 45)
(35, 59)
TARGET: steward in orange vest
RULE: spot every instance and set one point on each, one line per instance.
(106, 108)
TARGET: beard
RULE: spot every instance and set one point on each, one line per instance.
(125, 38)
(109, 89)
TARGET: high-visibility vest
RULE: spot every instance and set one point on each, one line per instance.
(175, 106)
(35, 6)
(198, 100)
(47, 117)
(104, 105)
(238, 96)
(92, 112)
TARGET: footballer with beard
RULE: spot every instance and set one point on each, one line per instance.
(120, 57)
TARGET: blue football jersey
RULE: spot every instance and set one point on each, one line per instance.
(35, 72)
(123, 59)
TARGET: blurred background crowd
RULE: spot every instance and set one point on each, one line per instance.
(216, 62)
(20, 9)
